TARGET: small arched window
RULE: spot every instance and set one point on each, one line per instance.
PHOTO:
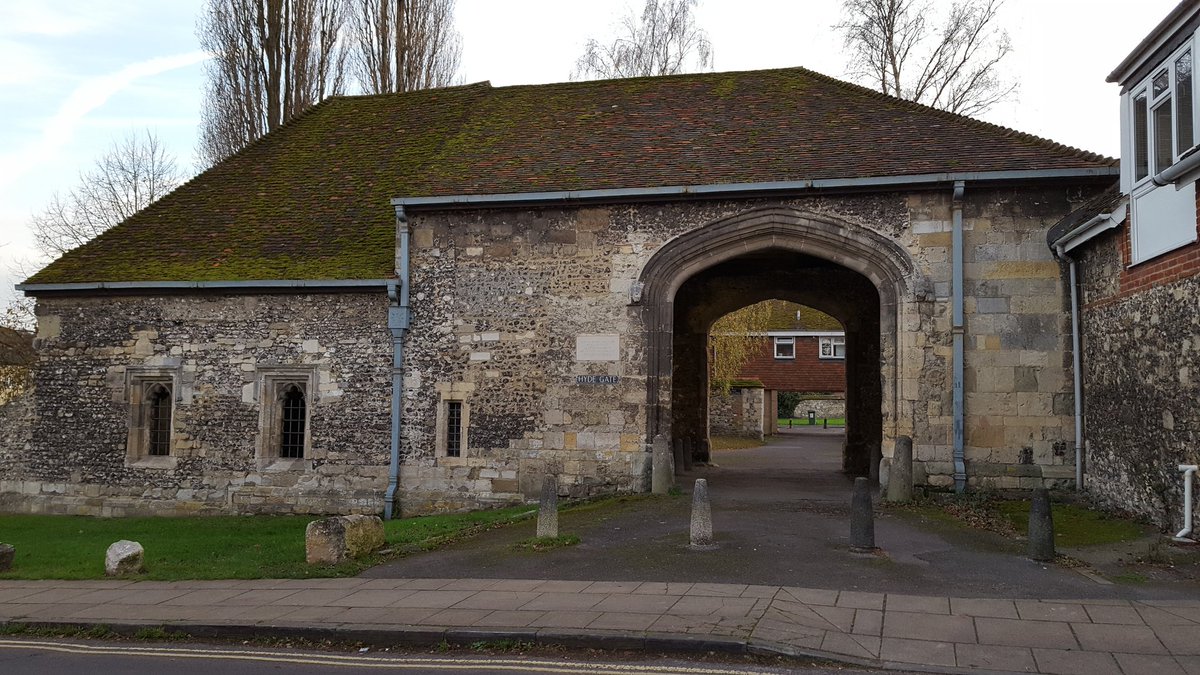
(292, 420)
(158, 422)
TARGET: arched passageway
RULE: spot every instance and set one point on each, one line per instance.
(853, 274)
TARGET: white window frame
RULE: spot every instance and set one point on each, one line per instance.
(833, 342)
(789, 341)
(1140, 188)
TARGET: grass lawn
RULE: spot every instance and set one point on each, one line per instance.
(803, 421)
(1075, 525)
(216, 547)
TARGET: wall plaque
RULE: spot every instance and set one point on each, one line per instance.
(598, 347)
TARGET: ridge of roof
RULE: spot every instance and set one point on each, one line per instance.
(1009, 132)
(311, 200)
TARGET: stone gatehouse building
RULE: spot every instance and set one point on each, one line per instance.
(427, 301)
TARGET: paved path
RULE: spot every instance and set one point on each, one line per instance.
(781, 516)
(931, 633)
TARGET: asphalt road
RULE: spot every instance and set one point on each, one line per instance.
(781, 516)
(21, 657)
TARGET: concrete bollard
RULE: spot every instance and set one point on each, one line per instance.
(689, 447)
(662, 475)
(7, 555)
(704, 449)
(547, 522)
(677, 453)
(862, 517)
(701, 531)
(900, 479)
(1041, 526)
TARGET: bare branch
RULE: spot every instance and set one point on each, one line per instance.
(272, 59)
(955, 67)
(132, 174)
(404, 45)
(665, 41)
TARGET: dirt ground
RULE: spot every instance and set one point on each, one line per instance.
(780, 515)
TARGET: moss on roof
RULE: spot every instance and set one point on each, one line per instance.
(311, 200)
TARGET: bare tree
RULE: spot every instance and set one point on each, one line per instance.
(895, 47)
(133, 173)
(664, 41)
(404, 45)
(272, 59)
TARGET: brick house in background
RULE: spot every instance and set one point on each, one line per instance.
(804, 351)
(1134, 253)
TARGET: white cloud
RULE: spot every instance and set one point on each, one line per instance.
(57, 19)
(91, 94)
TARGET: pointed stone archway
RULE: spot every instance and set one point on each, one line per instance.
(860, 277)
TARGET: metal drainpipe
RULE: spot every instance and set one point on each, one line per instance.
(398, 323)
(958, 331)
(1077, 376)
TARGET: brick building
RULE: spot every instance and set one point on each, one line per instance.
(1134, 253)
(429, 300)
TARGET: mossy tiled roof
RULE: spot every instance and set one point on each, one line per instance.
(311, 200)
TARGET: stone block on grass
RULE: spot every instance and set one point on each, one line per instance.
(124, 557)
(332, 541)
(7, 554)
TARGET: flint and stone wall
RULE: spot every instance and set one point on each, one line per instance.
(741, 412)
(218, 347)
(824, 406)
(531, 318)
(1141, 376)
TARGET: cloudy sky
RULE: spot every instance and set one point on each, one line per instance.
(79, 74)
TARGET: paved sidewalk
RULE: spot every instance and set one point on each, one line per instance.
(889, 630)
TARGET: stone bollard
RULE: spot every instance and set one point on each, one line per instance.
(689, 448)
(705, 450)
(862, 517)
(124, 557)
(7, 555)
(1041, 526)
(701, 530)
(547, 521)
(885, 474)
(677, 453)
(662, 475)
(900, 479)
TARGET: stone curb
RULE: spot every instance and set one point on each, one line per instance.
(419, 636)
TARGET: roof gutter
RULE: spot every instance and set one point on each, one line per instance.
(1088, 230)
(748, 189)
(240, 286)
(1184, 171)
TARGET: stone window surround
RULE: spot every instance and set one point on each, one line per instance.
(785, 341)
(272, 383)
(460, 392)
(139, 380)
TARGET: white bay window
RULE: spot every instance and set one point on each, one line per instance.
(1161, 132)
